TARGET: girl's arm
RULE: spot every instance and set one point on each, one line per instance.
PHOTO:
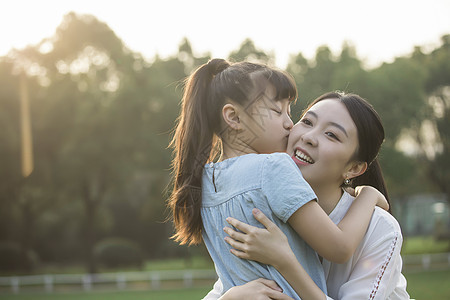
(290, 198)
(337, 243)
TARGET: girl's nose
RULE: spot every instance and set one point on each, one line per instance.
(288, 124)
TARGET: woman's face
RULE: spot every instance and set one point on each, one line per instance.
(323, 142)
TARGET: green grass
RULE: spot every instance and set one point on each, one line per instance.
(185, 294)
(421, 285)
(429, 285)
(419, 245)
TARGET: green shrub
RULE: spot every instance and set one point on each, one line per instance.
(12, 258)
(118, 252)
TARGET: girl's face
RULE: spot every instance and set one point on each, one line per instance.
(323, 143)
(267, 123)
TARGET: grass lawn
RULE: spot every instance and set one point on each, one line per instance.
(421, 285)
(419, 245)
(185, 294)
(429, 285)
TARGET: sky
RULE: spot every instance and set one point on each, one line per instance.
(379, 30)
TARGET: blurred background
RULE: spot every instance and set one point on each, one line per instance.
(90, 91)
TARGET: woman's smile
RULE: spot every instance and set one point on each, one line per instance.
(301, 157)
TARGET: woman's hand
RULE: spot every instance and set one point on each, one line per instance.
(259, 289)
(268, 246)
(381, 200)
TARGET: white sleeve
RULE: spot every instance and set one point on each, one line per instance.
(216, 292)
(377, 272)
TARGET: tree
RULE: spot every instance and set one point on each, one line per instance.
(432, 131)
(248, 52)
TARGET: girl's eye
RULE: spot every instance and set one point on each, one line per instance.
(276, 110)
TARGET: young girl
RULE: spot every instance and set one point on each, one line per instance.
(374, 271)
(239, 115)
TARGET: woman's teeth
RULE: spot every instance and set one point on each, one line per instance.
(303, 157)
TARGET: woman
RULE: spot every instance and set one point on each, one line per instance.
(335, 129)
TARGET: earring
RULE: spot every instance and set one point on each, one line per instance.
(347, 181)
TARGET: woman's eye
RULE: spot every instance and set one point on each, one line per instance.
(332, 135)
(306, 121)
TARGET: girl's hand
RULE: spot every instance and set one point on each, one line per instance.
(259, 289)
(371, 192)
(268, 246)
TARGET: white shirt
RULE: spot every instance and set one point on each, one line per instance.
(374, 270)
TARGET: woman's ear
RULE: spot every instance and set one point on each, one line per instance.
(356, 168)
(230, 115)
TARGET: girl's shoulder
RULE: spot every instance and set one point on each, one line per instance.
(279, 164)
(278, 158)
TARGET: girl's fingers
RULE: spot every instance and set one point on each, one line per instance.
(239, 225)
(350, 190)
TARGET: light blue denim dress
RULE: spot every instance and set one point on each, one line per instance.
(232, 188)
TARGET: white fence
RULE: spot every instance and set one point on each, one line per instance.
(155, 280)
(125, 280)
(426, 261)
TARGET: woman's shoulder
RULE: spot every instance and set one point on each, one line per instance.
(384, 229)
(382, 221)
(384, 218)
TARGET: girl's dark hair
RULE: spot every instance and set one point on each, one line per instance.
(197, 134)
(370, 137)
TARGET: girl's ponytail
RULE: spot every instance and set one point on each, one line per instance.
(194, 145)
